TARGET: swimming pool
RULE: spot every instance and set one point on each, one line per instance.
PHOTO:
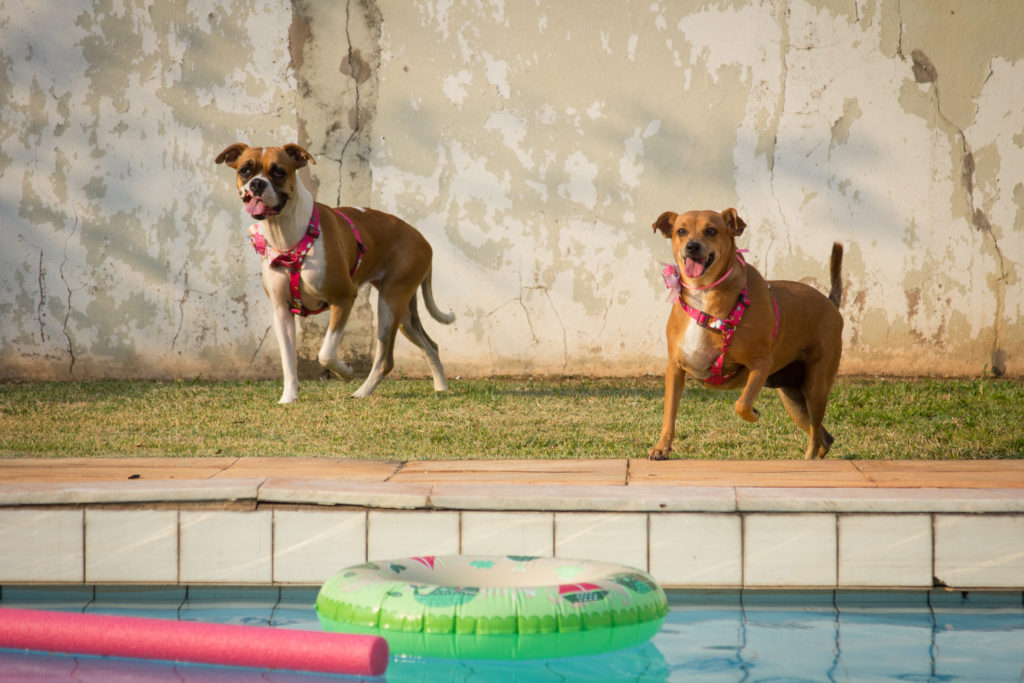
(708, 636)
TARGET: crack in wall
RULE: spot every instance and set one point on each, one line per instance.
(925, 72)
(780, 106)
(67, 309)
(42, 297)
(357, 125)
(561, 324)
(181, 305)
(252, 359)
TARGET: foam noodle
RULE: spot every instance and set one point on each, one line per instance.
(190, 641)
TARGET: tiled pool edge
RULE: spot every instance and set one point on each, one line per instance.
(298, 531)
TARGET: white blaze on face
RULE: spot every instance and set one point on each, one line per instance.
(259, 193)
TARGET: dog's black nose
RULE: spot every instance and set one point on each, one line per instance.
(692, 248)
(257, 185)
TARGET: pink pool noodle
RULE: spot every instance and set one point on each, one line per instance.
(192, 641)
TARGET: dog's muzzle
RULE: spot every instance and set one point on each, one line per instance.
(695, 262)
(255, 205)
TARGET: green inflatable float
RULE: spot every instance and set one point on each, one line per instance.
(494, 607)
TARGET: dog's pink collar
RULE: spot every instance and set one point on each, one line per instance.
(293, 259)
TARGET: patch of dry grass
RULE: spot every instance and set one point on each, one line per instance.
(499, 418)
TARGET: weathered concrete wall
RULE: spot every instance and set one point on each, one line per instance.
(533, 144)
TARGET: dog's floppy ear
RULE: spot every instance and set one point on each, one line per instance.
(230, 155)
(299, 155)
(665, 222)
(733, 220)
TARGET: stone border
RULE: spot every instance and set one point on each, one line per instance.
(278, 531)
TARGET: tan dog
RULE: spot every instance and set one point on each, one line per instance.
(781, 334)
(317, 257)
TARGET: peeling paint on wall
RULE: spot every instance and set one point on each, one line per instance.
(533, 144)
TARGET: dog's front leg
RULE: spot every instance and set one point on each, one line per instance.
(674, 380)
(328, 355)
(284, 330)
(744, 406)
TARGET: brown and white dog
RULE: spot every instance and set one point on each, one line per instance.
(331, 253)
(730, 328)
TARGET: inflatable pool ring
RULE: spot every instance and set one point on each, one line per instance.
(494, 607)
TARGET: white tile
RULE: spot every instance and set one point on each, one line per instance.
(398, 533)
(980, 551)
(225, 546)
(310, 546)
(508, 533)
(694, 549)
(41, 545)
(130, 546)
(796, 550)
(885, 550)
(612, 537)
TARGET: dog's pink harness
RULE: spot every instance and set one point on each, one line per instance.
(727, 326)
(293, 259)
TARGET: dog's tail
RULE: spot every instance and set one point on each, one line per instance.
(834, 268)
(428, 299)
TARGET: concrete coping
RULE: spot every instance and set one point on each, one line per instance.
(517, 497)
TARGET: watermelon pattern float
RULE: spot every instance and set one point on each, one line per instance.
(494, 607)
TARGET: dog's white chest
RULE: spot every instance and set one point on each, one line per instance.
(700, 348)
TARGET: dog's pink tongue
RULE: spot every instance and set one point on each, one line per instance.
(255, 206)
(693, 269)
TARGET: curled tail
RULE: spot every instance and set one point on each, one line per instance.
(835, 267)
(428, 299)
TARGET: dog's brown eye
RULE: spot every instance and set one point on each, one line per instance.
(277, 173)
(710, 232)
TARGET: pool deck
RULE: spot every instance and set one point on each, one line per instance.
(917, 474)
(691, 523)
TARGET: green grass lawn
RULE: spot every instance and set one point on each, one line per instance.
(500, 418)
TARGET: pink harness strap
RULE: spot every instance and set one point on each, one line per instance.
(727, 326)
(293, 259)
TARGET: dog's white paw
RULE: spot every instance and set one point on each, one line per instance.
(342, 370)
(288, 398)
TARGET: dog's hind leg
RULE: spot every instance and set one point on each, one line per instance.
(328, 355)
(412, 328)
(796, 404)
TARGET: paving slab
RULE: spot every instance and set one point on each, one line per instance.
(109, 469)
(998, 474)
(746, 473)
(311, 468)
(335, 492)
(132, 491)
(554, 497)
(585, 472)
(879, 500)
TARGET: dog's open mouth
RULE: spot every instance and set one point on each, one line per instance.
(258, 209)
(693, 268)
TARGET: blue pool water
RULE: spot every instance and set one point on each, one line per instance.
(708, 636)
